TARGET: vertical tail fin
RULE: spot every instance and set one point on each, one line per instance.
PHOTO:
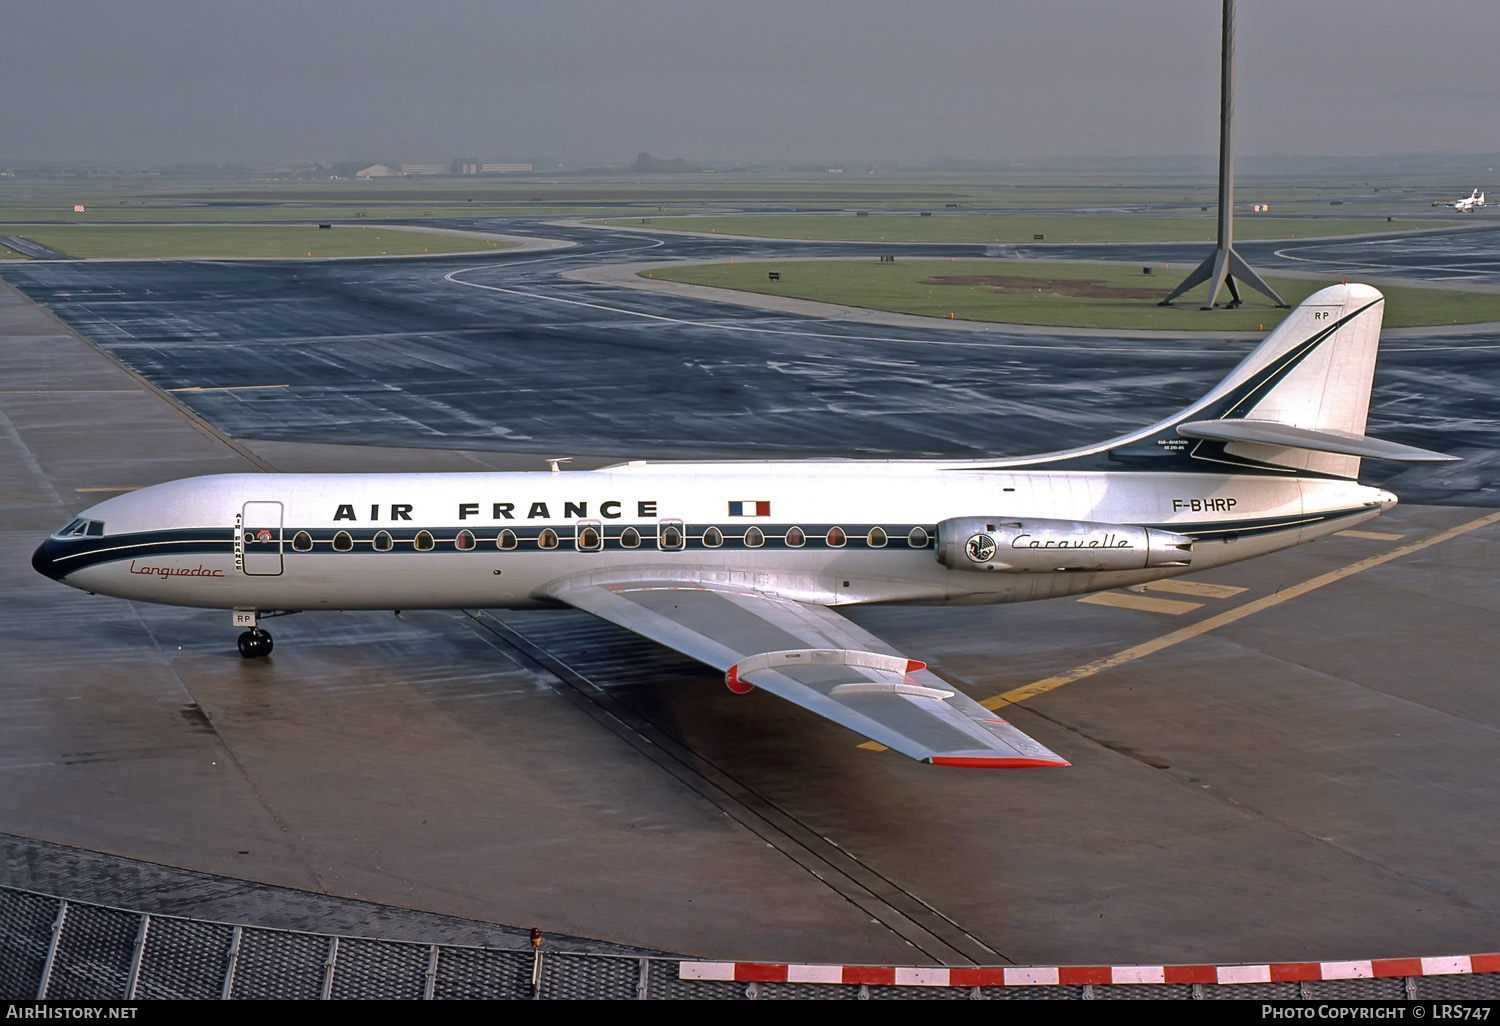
(1308, 382)
(1316, 369)
(1297, 404)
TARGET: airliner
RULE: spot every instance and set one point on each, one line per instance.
(1470, 203)
(745, 565)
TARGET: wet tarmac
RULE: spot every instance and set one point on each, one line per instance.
(1311, 781)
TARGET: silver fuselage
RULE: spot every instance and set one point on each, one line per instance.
(408, 541)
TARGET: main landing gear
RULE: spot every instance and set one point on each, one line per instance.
(255, 643)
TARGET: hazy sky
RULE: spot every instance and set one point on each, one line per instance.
(753, 80)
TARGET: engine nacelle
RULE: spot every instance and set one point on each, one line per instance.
(1036, 545)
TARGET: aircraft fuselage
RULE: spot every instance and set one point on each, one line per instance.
(828, 533)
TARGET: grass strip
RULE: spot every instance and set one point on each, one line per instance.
(1056, 294)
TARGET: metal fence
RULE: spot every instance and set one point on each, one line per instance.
(55, 949)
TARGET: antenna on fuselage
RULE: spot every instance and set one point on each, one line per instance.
(553, 461)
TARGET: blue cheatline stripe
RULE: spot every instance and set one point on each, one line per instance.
(1265, 525)
(210, 541)
(75, 553)
(73, 556)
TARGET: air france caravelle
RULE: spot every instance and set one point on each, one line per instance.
(742, 565)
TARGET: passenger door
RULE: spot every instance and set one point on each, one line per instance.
(258, 543)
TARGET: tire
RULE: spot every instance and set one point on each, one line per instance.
(255, 644)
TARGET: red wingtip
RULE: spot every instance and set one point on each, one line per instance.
(993, 762)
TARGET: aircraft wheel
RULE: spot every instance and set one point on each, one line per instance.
(255, 644)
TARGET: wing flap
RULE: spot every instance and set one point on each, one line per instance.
(813, 657)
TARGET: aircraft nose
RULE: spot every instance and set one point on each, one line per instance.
(45, 559)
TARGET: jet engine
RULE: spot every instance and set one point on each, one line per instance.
(1036, 545)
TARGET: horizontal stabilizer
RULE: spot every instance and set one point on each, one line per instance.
(1265, 432)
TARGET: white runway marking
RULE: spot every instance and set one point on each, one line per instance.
(1444, 273)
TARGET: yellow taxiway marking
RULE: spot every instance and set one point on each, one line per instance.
(1128, 600)
(1199, 588)
(224, 388)
(873, 746)
(1372, 535)
(1228, 617)
(121, 488)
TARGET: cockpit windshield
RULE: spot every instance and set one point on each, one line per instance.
(82, 528)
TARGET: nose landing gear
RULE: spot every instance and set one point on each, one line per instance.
(255, 643)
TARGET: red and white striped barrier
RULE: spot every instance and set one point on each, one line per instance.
(1076, 975)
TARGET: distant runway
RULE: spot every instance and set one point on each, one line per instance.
(1469, 255)
(1311, 780)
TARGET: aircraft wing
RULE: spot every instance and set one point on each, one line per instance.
(815, 658)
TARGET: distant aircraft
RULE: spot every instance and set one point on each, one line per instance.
(1470, 203)
(743, 565)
